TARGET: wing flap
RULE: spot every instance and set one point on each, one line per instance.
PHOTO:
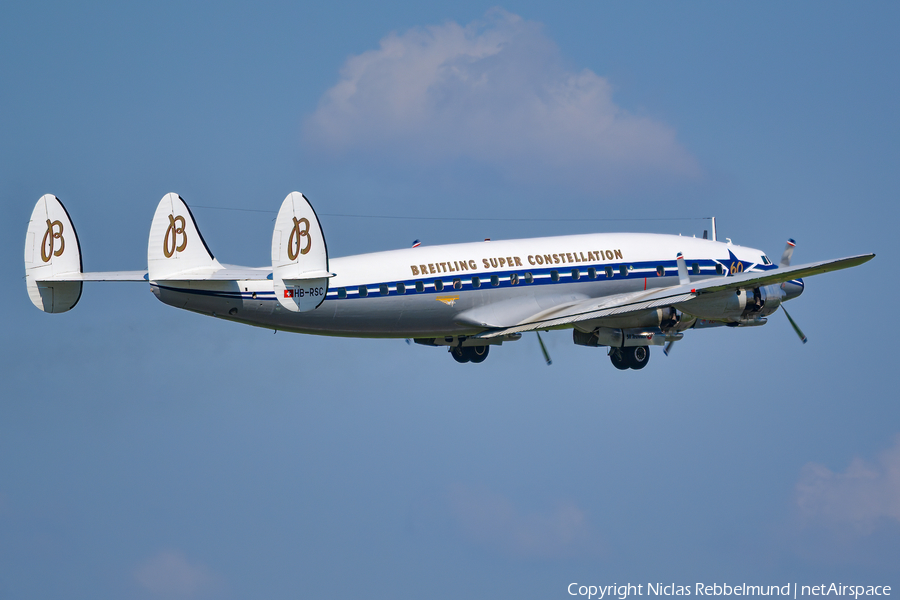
(594, 314)
(593, 309)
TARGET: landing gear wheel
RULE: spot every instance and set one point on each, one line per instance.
(460, 354)
(619, 359)
(638, 357)
(477, 354)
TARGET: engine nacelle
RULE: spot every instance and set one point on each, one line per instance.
(672, 319)
(623, 338)
(762, 302)
(666, 319)
(720, 306)
(772, 297)
(740, 305)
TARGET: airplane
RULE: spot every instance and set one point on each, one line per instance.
(622, 291)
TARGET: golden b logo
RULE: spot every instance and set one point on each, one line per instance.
(170, 244)
(294, 241)
(50, 238)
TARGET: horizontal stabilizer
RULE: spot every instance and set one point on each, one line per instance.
(222, 273)
(102, 276)
(313, 275)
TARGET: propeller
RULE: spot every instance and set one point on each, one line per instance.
(803, 338)
(683, 279)
(544, 349)
(786, 262)
(788, 252)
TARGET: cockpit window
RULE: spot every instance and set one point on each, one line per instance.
(765, 260)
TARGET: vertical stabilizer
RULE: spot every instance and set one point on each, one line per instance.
(299, 256)
(51, 251)
(176, 250)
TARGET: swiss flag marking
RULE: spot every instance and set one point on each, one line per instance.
(288, 293)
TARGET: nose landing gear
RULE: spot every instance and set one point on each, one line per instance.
(635, 357)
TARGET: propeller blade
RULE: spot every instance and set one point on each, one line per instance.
(668, 347)
(788, 252)
(544, 349)
(683, 277)
(803, 338)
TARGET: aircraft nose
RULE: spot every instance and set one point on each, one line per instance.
(792, 289)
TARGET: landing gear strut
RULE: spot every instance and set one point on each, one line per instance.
(464, 354)
(634, 357)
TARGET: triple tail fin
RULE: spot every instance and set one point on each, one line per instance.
(52, 252)
(299, 256)
(176, 250)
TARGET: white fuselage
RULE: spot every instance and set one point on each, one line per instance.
(463, 289)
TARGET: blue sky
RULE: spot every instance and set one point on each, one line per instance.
(151, 453)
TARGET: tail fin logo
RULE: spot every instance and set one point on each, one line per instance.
(294, 249)
(170, 244)
(50, 236)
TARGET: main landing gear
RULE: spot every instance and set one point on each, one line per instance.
(464, 354)
(634, 357)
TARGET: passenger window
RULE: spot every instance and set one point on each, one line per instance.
(363, 291)
(383, 289)
(495, 281)
(554, 275)
(529, 278)
(695, 269)
(401, 289)
(476, 283)
(514, 279)
(592, 273)
(457, 284)
(438, 285)
(609, 272)
(576, 274)
(420, 287)
(342, 292)
(661, 271)
(623, 271)
(718, 269)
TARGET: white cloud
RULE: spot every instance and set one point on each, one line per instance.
(498, 93)
(860, 496)
(493, 520)
(170, 575)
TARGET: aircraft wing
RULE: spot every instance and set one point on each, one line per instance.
(779, 275)
(682, 295)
